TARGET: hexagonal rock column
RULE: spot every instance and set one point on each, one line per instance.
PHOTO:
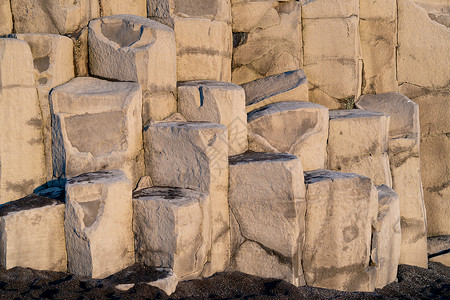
(97, 125)
(299, 128)
(267, 206)
(22, 157)
(387, 237)
(216, 102)
(98, 223)
(340, 211)
(288, 86)
(267, 38)
(172, 229)
(32, 234)
(203, 36)
(132, 48)
(404, 141)
(194, 156)
(358, 143)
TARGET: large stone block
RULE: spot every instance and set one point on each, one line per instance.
(216, 102)
(304, 128)
(340, 211)
(288, 86)
(358, 143)
(6, 26)
(438, 247)
(32, 234)
(172, 229)
(330, 9)
(96, 126)
(128, 7)
(267, 200)
(98, 223)
(194, 156)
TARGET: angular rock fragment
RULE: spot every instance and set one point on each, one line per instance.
(172, 229)
(216, 102)
(299, 128)
(32, 234)
(439, 249)
(358, 143)
(98, 223)
(194, 156)
(340, 211)
(97, 125)
(6, 26)
(267, 200)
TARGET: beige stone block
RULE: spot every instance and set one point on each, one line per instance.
(380, 9)
(318, 96)
(203, 49)
(98, 224)
(81, 53)
(437, 205)
(248, 16)
(244, 74)
(358, 143)
(6, 26)
(194, 156)
(434, 109)
(127, 7)
(168, 284)
(32, 234)
(97, 125)
(157, 106)
(216, 102)
(16, 68)
(330, 9)
(267, 199)
(340, 211)
(304, 126)
(172, 229)
(436, 248)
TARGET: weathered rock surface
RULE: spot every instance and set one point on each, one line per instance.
(304, 128)
(216, 102)
(267, 199)
(194, 156)
(289, 86)
(172, 229)
(358, 143)
(98, 223)
(113, 109)
(118, 7)
(32, 234)
(439, 249)
(340, 211)
(6, 26)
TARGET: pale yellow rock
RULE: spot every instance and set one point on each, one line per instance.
(128, 7)
(172, 229)
(216, 102)
(330, 9)
(304, 126)
(340, 211)
(434, 109)
(32, 234)
(158, 106)
(97, 125)
(437, 246)
(144, 182)
(81, 52)
(168, 284)
(358, 143)
(438, 10)
(267, 200)
(316, 95)
(380, 9)
(6, 26)
(98, 224)
(248, 16)
(244, 74)
(194, 156)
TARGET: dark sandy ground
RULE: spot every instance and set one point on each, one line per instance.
(20, 283)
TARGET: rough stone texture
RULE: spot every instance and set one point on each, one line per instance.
(22, 158)
(6, 26)
(168, 284)
(386, 240)
(267, 38)
(118, 7)
(358, 143)
(288, 86)
(172, 229)
(32, 234)
(216, 102)
(53, 16)
(330, 9)
(438, 249)
(340, 211)
(194, 156)
(96, 126)
(81, 52)
(98, 223)
(438, 10)
(267, 200)
(304, 128)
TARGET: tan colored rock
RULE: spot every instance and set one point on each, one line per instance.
(376, 10)
(22, 158)
(194, 156)
(330, 9)
(32, 234)
(6, 26)
(267, 199)
(216, 102)
(288, 86)
(386, 240)
(304, 126)
(340, 211)
(158, 106)
(97, 125)
(437, 248)
(128, 7)
(168, 284)
(81, 52)
(438, 10)
(98, 223)
(358, 143)
(172, 229)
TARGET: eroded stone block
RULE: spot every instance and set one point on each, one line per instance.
(6, 26)
(98, 223)
(437, 247)
(330, 9)
(128, 7)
